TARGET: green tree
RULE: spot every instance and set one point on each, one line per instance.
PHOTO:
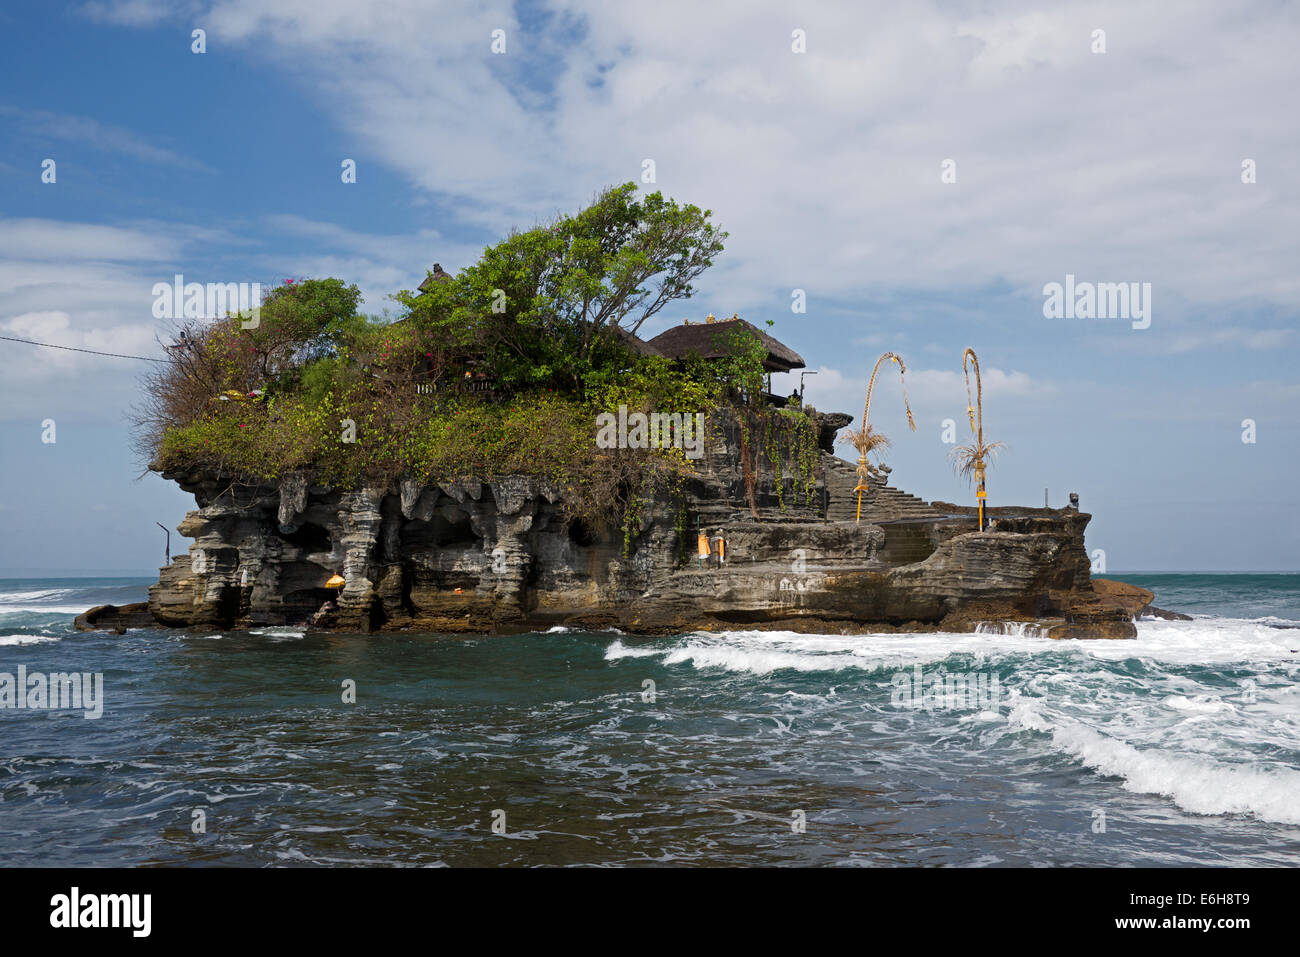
(300, 321)
(542, 307)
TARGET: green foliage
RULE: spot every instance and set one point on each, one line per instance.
(545, 435)
(541, 308)
(799, 437)
(299, 320)
(317, 379)
(533, 323)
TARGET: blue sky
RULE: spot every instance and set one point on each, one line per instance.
(1123, 166)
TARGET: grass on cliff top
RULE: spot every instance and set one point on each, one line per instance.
(367, 402)
(544, 435)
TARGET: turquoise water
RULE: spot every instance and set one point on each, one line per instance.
(1183, 741)
(1249, 596)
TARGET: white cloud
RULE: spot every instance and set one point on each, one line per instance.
(933, 394)
(53, 240)
(134, 13)
(825, 166)
(84, 286)
(378, 264)
(26, 363)
(84, 131)
(996, 382)
(1237, 336)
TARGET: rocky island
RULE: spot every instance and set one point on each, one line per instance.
(458, 469)
(492, 556)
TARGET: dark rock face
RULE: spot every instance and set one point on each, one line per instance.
(1155, 612)
(828, 426)
(115, 618)
(499, 556)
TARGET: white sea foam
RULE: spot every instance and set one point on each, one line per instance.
(1195, 782)
(1277, 622)
(757, 661)
(619, 650)
(1157, 711)
(1016, 629)
(42, 609)
(46, 594)
(1208, 641)
(762, 652)
(1201, 704)
(279, 632)
(26, 639)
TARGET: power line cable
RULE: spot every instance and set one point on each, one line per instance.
(93, 352)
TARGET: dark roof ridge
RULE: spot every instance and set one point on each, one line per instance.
(700, 338)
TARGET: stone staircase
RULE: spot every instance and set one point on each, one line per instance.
(879, 505)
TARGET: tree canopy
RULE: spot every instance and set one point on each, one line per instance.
(501, 369)
(542, 306)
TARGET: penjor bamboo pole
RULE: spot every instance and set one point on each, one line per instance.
(863, 472)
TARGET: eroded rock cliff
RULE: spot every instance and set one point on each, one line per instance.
(501, 555)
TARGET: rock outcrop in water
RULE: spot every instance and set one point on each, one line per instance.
(496, 556)
(116, 618)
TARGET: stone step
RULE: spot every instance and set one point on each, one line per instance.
(881, 503)
(889, 499)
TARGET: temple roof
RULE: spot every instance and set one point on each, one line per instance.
(439, 275)
(635, 343)
(709, 340)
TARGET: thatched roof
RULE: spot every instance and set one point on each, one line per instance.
(439, 275)
(635, 343)
(711, 340)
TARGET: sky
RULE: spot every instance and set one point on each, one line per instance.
(920, 172)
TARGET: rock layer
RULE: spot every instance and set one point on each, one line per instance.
(500, 555)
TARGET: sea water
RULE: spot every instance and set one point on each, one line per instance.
(283, 747)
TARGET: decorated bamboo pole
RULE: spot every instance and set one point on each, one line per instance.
(974, 456)
(863, 439)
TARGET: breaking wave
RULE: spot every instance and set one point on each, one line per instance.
(1205, 713)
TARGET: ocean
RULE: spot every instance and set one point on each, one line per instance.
(1181, 747)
